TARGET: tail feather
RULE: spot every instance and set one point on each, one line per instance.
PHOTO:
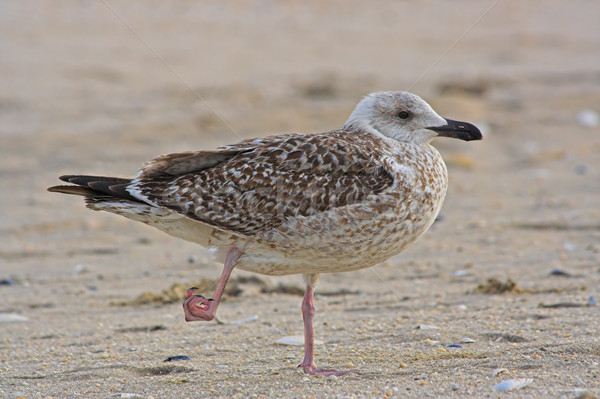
(74, 190)
(95, 186)
(109, 194)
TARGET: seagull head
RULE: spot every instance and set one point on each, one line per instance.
(406, 117)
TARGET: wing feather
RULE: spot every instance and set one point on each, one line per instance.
(265, 181)
(185, 162)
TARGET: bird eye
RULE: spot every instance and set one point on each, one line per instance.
(403, 115)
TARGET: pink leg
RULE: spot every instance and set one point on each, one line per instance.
(308, 314)
(198, 308)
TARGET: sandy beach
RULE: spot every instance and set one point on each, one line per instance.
(504, 286)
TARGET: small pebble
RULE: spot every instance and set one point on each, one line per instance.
(467, 341)
(561, 273)
(495, 372)
(569, 246)
(513, 384)
(592, 301)
(581, 169)
(177, 358)
(454, 386)
(453, 346)
(7, 281)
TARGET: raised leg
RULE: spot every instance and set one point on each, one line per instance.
(308, 314)
(198, 308)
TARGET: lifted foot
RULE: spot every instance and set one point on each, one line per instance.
(198, 308)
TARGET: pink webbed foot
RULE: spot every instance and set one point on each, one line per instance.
(198, 308)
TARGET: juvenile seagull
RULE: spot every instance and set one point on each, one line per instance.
(295, 204)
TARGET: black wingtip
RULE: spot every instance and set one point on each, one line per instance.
(86, 180)
(66, 178)
(95, 186)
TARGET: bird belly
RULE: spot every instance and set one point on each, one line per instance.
(340, 241)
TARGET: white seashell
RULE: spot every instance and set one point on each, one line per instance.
(513, 384)
(463, 273)
(80, 268)
(295, 340)
(9, 317)
(466, 341)
(588, 118)
(240, 321)
(495, 372)
(427, 327)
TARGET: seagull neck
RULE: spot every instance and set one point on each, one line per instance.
(392, 142)
(360, 127)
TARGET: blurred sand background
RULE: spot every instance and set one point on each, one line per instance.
(81, 93)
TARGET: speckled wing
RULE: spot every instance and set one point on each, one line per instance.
(256, 184)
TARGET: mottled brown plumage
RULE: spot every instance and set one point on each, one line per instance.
(256, 190)
(300, 203)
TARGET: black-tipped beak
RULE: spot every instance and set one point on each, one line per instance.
(458, 130)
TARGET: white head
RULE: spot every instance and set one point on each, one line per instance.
(405, 117)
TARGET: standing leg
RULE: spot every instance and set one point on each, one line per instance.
(198, 308)
(308, 314)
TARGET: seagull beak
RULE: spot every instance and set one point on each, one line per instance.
(458, 130)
